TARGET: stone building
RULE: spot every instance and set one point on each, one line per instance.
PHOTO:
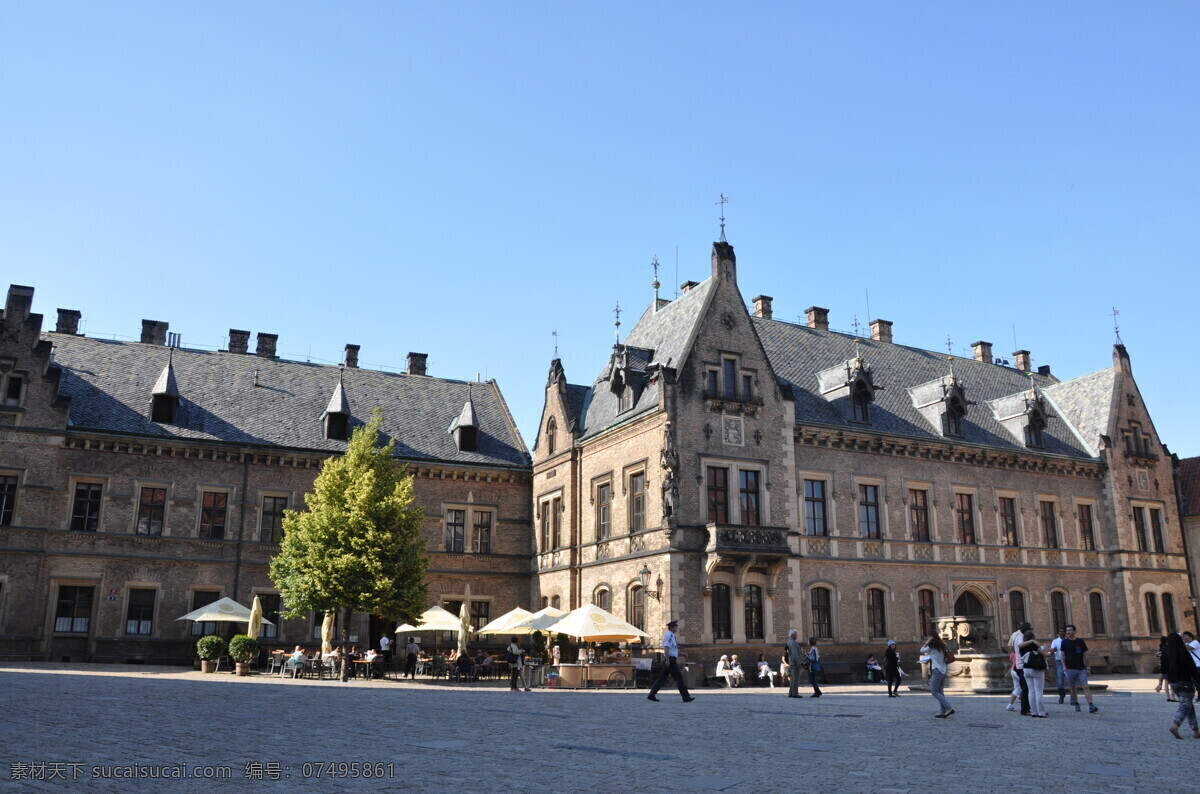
(140, 480)
(747, 475)
(1187, 484)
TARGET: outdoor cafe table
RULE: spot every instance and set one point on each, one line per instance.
(381, 669)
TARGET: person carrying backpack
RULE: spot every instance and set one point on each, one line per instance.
(1180, 666)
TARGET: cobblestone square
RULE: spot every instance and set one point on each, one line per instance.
(272, 733)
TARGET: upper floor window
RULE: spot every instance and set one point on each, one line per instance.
(1137, 443)
(1156, 532)
(546, 506)
(1008, 521)
(456, 524)
(918, 514)
(271, 524)
(626, 398)
(551, 433)
(747, 387)
(964, 515)
(952, 419)
(1049, 524)
(213, 513)
(14, 389)
(271, 605)
(481, 532)
(1034, 438)
(814, 507)
(860, 406)
(85, 513)
(603, 510)
(718, 495)
(8, 499)
(729, 371)
(722, 626)
(748, 487)
(337, 426)
(151, 509)
(637, 502)
(1087, 534)
(139, 614)
(556, 524)
(1139, 528)
(1096, 604)
(162, 408)
(868, 511)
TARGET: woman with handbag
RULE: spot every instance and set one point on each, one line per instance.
(891, 669)
(1034, 664)
(934, 652)
(812, 661)
(515, 658)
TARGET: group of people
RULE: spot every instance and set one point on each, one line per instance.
(299, 660)
(1179, 667)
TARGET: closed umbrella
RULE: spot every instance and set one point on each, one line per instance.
(464, 628)
(256, 618)
(327, 634)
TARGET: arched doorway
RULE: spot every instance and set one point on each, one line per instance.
(969, 605)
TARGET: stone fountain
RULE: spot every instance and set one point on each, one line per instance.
(980, 665)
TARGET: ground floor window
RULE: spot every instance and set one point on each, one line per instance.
(74, 610)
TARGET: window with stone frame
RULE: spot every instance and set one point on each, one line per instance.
(1049, 524)
(718, 495)
(822, 613)
(721, 618)
(1156, 530)
(1096, 607)
(480, 614)
(1087, 532)
(602, 598)
(1139, 528)
(271, 518)
(14, 391)
(753, 602)
(139, 612)
(1168, 612)
(1034, 436)
(925, 612)
(152, 504)
(637, 501)
(860, 406)
(876, 613)
(555, 601)
(456, 530)
(1016, 608)
(748, 489)
(545, 521)
(711, 383)
(918, 514)
(551, 432)
(603, 510)
(213, 513)
(868, 511)
(729, 371)
(481, 532)
(271, 606)
(1152, 622)
(964, 517)
(202, 598)
(636, 607)
(556, 523)
(1008, 521)
(814, 508)
(1058, 610)
(85, 511)
(8, 499)
(73, 611)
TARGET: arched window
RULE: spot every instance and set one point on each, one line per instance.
(554, 602)
(545, 601)
(1096, 606)
(1169, 612)
(754, 612)
(1016, 608)
(603, 598)
(1058, 610)
(968, 604)
(1152, 623)
(876, 616)
(551, 441)
(925, 612)
(722, 629)
(637, 607)
(822, 613)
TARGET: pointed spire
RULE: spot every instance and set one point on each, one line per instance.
(656, 285)
(338, 404)
(166, 385)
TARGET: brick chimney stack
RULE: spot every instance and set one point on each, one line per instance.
(68, 322)
(881, 330)
(817, 318)
(762, 306)
(1021, 360)
(154, 332)
(416, 363)
(983, 351)
(266, 345)
(19, 303)
(351, 358)
(239, 341)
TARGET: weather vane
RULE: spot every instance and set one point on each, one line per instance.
(554, 333)
(1116, 328)
(949, 345)
(724, 200)
(656, 285)
(617, 312)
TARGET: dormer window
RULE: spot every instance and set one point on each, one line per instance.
(337, 414)
(466, 428)
(626, 398)
(1034, 438)
(956, 411)
(860, 405)
(162, 409)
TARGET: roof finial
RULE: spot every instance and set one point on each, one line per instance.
(724, 200)
(656, 285)
(858, 350)
(1116, 328)
(949, 345)
(617, 312)
(856, 327)
(950, 360)
(554, 333)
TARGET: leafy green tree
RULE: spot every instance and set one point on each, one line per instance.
(359, 546)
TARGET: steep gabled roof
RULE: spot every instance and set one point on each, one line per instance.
(1189, 486)
(1087, 404)
(245, 399)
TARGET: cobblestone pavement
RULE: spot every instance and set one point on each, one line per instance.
(467, 738)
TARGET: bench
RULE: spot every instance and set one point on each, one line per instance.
(830, 670)
(1116, 663)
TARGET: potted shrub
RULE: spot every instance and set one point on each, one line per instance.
(244, 650)
(209, 649)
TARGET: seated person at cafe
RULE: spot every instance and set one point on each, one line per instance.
(484, 663)
(354, 655)
(376, 666)
(296, 661)
(464, 667)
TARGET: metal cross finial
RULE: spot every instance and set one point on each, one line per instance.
(554, 333)
(656, 285)
(856, 326)
(949, 345)
(724, 200)
(1116, 328)
(617, 312)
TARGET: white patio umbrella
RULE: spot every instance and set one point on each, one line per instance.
(500, 625)
(593, 624)
(222, 610)
(256, 618)
(541, 620)
(434, 619)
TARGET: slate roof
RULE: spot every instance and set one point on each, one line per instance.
(797, 353)
(1189, 485)
(110, 383)
(1087, 403)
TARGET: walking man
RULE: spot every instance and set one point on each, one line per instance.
(670, 666)
(1056, 646)
(410, 658)
(794, 655)
(1074, 653)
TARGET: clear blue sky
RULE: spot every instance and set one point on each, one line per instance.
(464, 180)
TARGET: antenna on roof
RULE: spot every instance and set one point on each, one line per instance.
(1116, 328)
(868, 294)
(617, 312)
(724, 200)
(654, 264)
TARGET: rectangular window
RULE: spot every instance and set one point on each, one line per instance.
(749, 493)
(637, 502)
(8, 498)
(1139, 528)
(456, 522)
(814, 507)
(603, 510)
(876, 616)
(822, 613)
(925, 612)
(481, 533)
(1008, 521)
(868, 511)
(85, 515)
(1152, 615)
(964, 514)
(1087, 535)
(1156, 533)
(202, 598)
(918, 514)
(753, 612)
(73, 614)
(556, 524)
(721, 618)
(213, 512)
(1058, 610)
(711, 386)
(139, 617)
(718, 495)
(747, 387)
(480, 611)
(546, 526)
(1096, 601)
(272, 518)
(12, 390)
(151, 508)
(270, 606)
(729, 367)
(1049, 524)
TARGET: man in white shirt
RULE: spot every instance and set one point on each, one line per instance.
(1056, 646)
(385, 647)
(410, 659)
(670, 666)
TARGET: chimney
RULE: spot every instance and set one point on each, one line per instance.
(724, 263)
(983, 351)
(19, 304)
(762, 306)
(687, 285)
(416, 363)
(266, 345)
(1044, 370)
(154, 332)
(239, 341)
(351, 359)
(68, 322)
(881, 330)
(1021, 359)
(817, 317)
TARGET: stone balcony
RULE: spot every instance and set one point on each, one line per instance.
(739, 539)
